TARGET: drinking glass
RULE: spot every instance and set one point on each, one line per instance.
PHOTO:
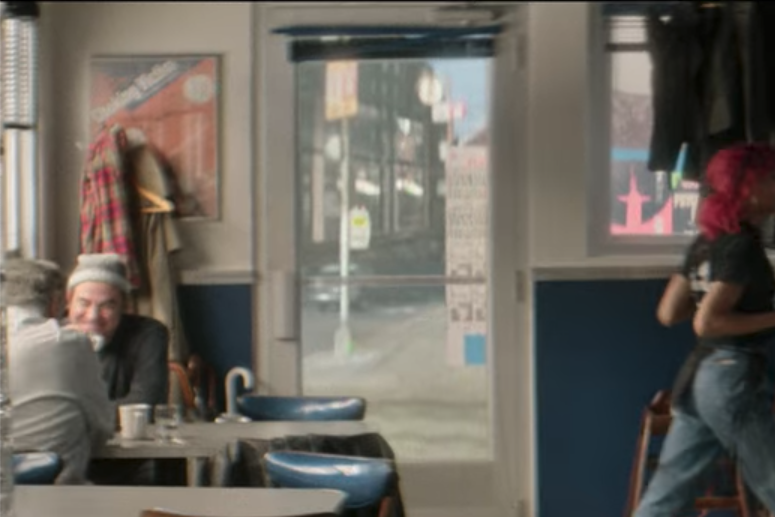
(167, 418)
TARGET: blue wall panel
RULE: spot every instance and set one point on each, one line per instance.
(600, 357)
(218, 324)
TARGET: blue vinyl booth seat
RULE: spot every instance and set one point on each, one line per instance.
(258, 407)
(36, 468)
(366, 481)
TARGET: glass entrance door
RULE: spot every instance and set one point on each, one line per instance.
(393, 246)
(392, 169)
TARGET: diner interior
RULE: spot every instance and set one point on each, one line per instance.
(270, 191)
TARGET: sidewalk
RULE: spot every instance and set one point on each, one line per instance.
(424, 408)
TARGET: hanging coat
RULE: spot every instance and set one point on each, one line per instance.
(106, 224)
(158, 241)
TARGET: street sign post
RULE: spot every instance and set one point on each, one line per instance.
(342, 104)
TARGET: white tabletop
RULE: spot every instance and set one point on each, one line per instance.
(202, 440)
(92, 501)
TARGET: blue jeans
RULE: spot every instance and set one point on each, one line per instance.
(727, 408)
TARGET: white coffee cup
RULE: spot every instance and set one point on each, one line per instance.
(134, 420)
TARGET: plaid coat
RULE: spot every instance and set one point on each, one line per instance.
(106, 224)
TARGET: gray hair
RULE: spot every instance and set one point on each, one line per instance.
(31, 283)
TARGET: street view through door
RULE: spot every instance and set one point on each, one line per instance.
(392, 161)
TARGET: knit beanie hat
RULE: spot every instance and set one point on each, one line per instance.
(107, 268)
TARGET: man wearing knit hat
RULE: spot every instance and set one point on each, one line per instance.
(132, 349)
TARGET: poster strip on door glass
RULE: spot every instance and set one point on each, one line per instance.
(466, 254)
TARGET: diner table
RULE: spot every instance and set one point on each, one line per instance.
(99, 501)
(201, 440)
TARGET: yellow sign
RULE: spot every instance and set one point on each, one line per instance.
(360, 228)
(341, 89)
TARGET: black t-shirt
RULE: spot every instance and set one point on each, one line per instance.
(735, 258)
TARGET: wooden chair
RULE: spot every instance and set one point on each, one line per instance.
(197, 387)
(204, 385)
(655, 424)
(179, 377)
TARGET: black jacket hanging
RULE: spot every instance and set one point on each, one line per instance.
(676, 57)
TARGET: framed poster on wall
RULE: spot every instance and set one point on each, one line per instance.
(172, 102)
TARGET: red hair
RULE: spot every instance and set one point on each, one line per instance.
(731, 174)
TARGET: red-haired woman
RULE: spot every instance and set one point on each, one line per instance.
(722, 398)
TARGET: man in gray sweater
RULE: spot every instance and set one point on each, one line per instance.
(60, 402)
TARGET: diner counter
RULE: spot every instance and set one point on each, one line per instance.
(98, 501)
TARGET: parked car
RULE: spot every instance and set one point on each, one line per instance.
(323, 292)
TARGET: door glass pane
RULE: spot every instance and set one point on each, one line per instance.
(394, 299)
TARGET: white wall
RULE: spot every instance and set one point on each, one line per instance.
(558, 150)
(568, 146)
(566, 152)
(214, 251)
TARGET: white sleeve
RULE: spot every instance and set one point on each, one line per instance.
(99, 411)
